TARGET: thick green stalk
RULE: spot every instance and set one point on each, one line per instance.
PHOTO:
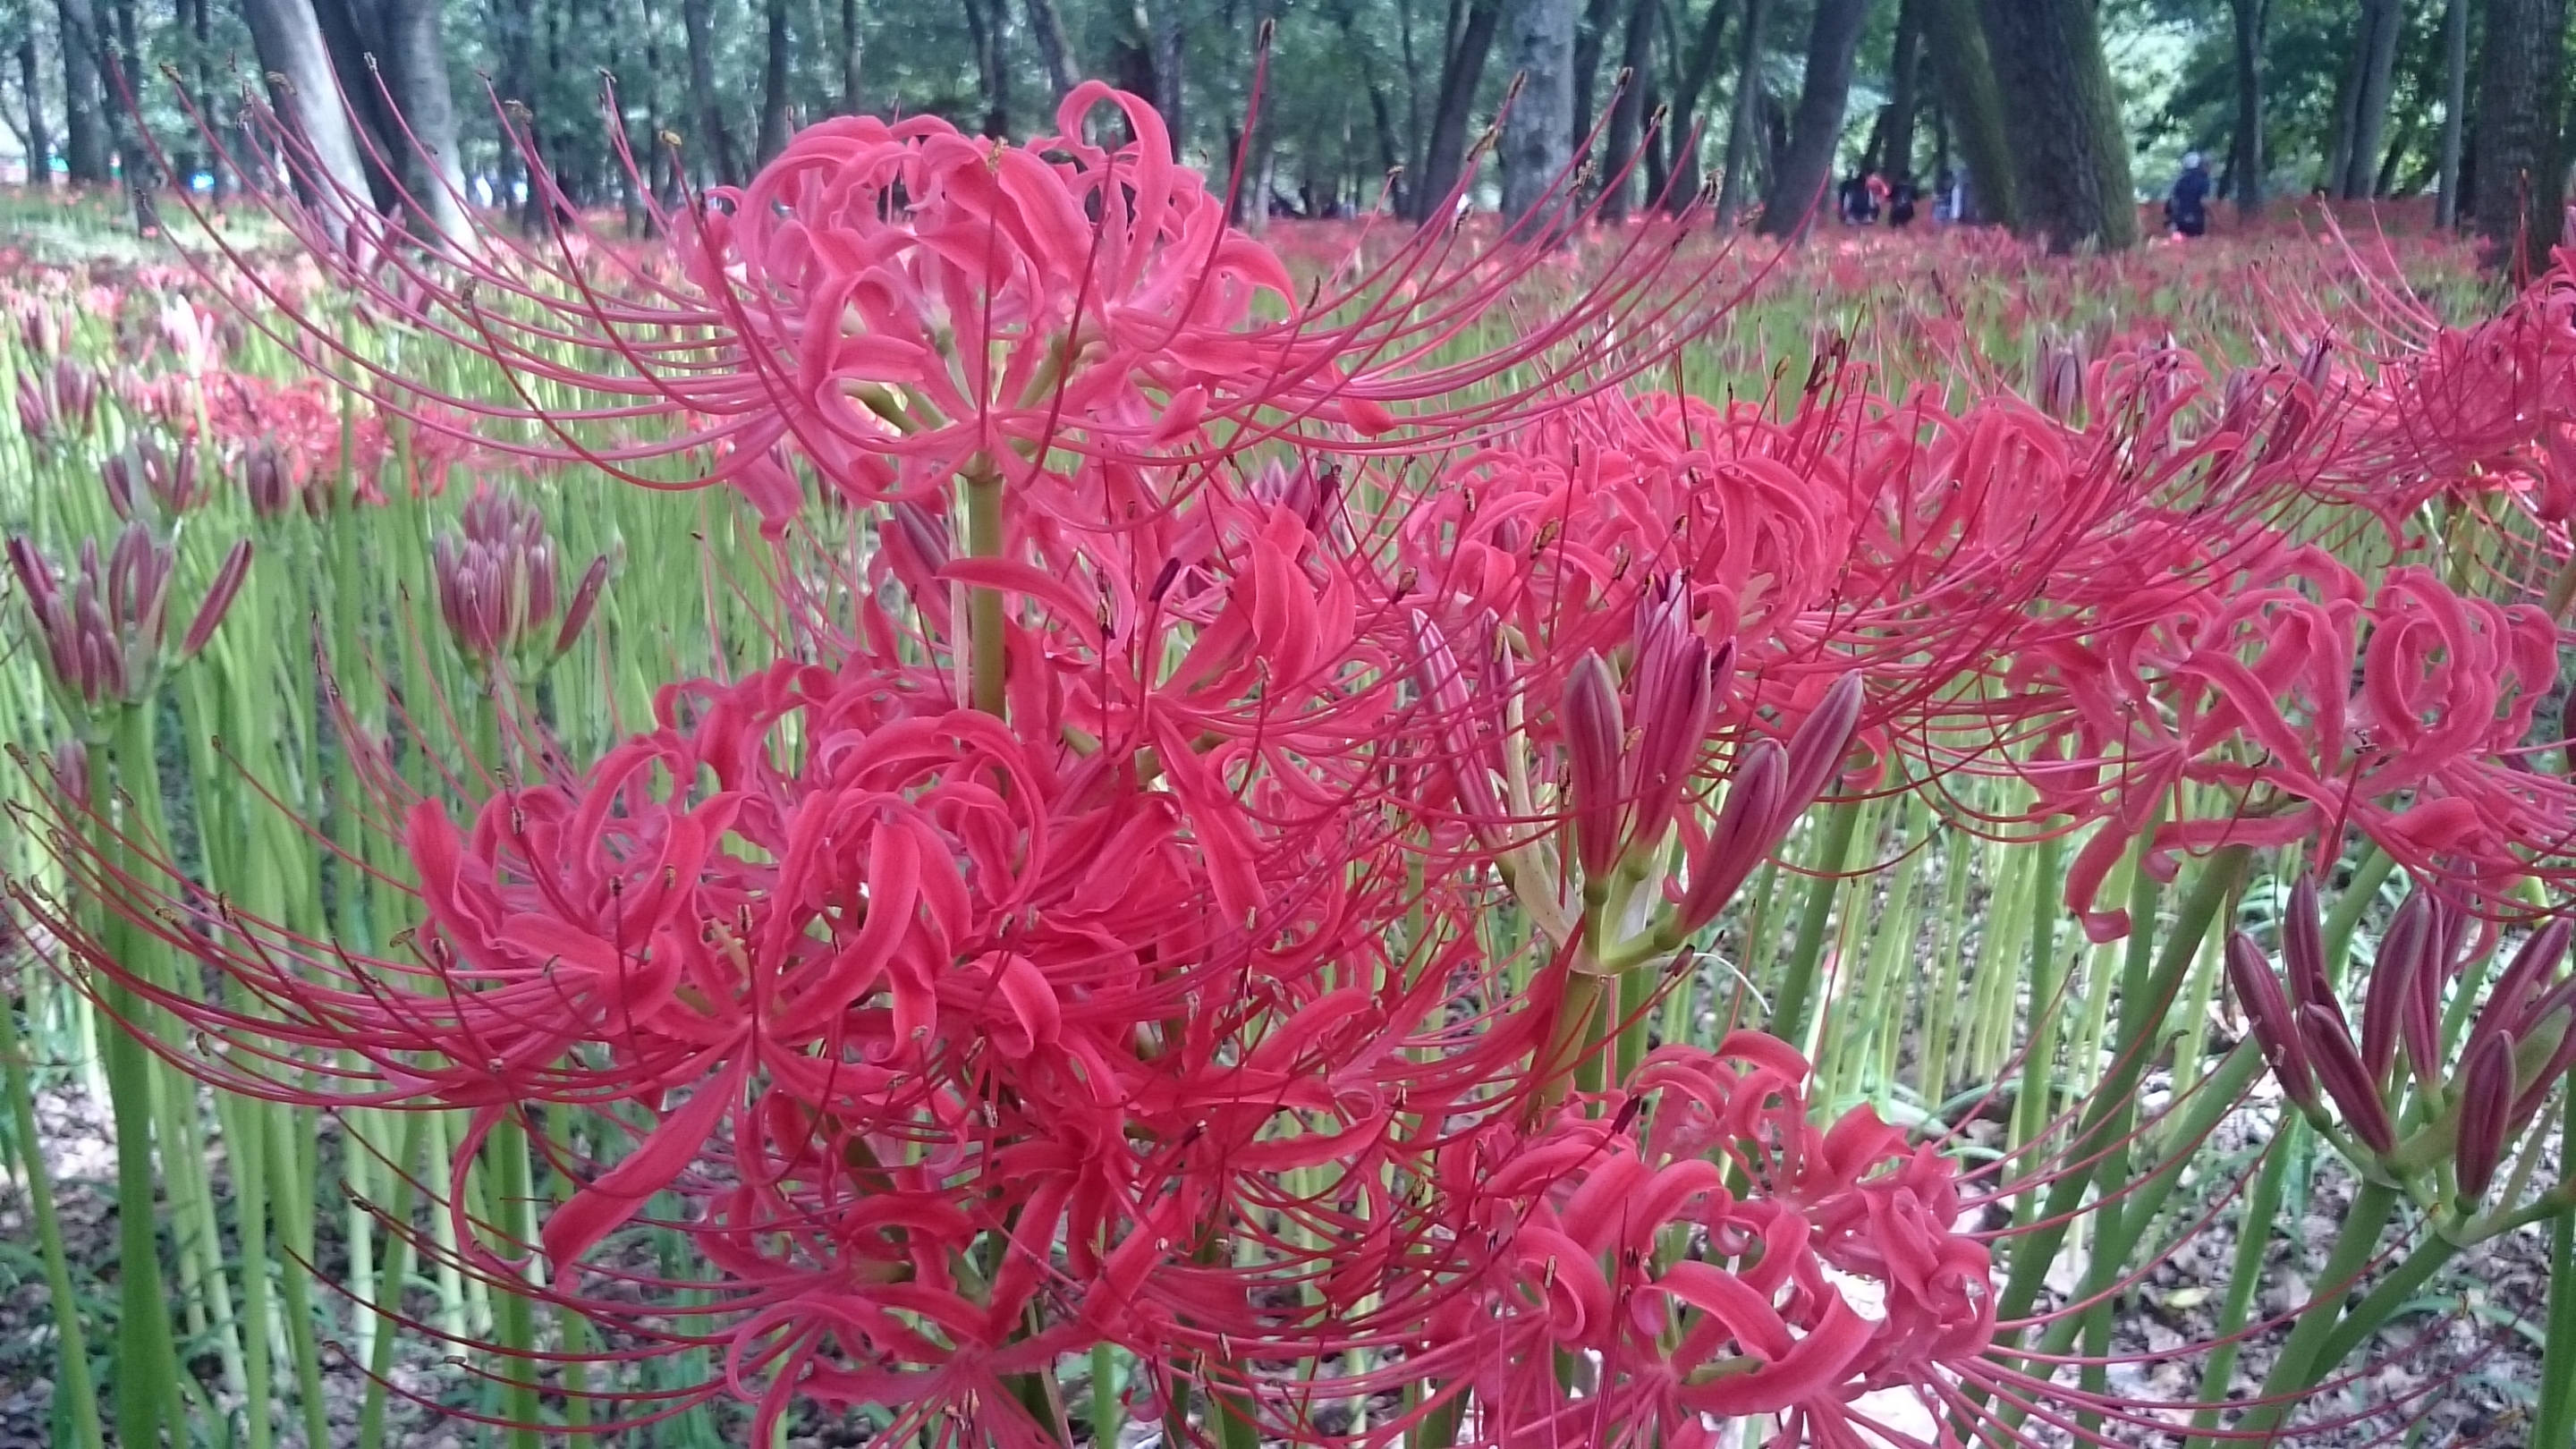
(2036, 1104)
(1798, 979)
(2554, 1426)
(397, 1267)
(2253, 1240)
(1106, 1411)
(984, 616)
(2297, 1368)
(290, 1177)
(73, 1384)
(2139, 1018)
(245, 1144)
(146, 1361)
(507, 1152)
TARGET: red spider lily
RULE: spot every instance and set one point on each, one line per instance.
(496, 578)
(144, 480)
(57, 404)
(104, 639)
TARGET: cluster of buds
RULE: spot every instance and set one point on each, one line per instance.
(167, 478)
(104, 624)
(277, 486)
(498, 579)
(59, 403)
(2402, 1123)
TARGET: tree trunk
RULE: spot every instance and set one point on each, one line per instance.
(2374, 71)
(1591, 37)
(416, 71)
(288, 38)
(1538, 133)
(1168, 84)
(1746, 115)
(1628, 109)
(1975, 109)
(1688, 88)
(1046, 27)
(136, 163)
(2252, 156)
(990, 64)
(697, 17)
(31, 89)
(2072, 181)
(1460, 73)
(852, 53)
(2519, 78)
(1807, 163)
(2455, 105)
(1904, 92)
(773, 86)
(84, 128)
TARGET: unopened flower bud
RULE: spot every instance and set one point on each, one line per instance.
(585, 600)
(2303, 947)
(2400, 961)
(1816, 751)
(1594, 734)
(2339, 1069)
(2486, 1108)
(2268, 1016)
(219, 599)
(1748, 825)
(69, 765)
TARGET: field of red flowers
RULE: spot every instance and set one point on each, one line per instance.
(957, 804)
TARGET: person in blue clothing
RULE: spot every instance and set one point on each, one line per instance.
(2187, 205)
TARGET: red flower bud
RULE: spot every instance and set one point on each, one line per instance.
(585, 600)
(1747, 826)
(1816, 750)
(2401, 960)
(2486, 1105)
(2268, 1016)
(1594, 734)
(2345, 1079)
(219, 598)
(2303, 947)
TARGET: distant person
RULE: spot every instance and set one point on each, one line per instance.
(1900, 202)
(1854, 199)
(2187, 207)
(1942, 183)
(1878, 191)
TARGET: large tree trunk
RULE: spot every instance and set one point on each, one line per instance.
(1538, 134)
(1904, 92)
(2072, 181)
(288, 37)
(1169, 50)
(2251, 153)
(852, 53)
(1974, 107)
(136, 161)
(84, 127)
(1816, 132)
(1591, 38)
(2366, 91)
(697, 17)
(1046, 27)
(1688, 87)
(2519, 78)
(40, 146)
(990, 65)
(1746, 113)
(1461, 70)
(2455, 105)
(415, 63)
(773, 86)
(1628, 109)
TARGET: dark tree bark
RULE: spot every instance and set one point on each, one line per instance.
(1688, 87)
(84, 127)
(1904, 92)
(1807, 163)
(135, 162)
(1046, 27)
(2063, 118)
(2520, 76)
(415, 62)
(1169, 50)
(773, 86)
(1461, 70)
(1732, 190)
(288, 37)
(985, 30)
(1538, 133)
(1628, 109)
(31, 89)
(698, 18)
(1591, 38)
(852, 52)
(2252, 155)
(2455, 105)
(2366, 91)
(1974, 107)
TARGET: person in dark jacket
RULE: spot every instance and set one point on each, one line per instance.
(2187, 206)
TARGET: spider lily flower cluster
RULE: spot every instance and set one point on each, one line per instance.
(1236, 782)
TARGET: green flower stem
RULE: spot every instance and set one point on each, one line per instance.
(290, 1177)
(516, 1329)
(2554, 1426)
(2298, 1368)
(1106, 1411)
(72, 1381)
(1798, 979)
(146, 1361)
(245, 1125)
(984, 617)
(2035, 1104)
(2253, 1241)
(2140, 1016)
